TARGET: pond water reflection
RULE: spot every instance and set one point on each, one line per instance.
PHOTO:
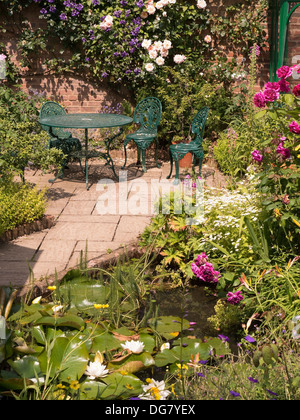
(194, 304)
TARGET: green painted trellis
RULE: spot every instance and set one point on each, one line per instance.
(282, 11)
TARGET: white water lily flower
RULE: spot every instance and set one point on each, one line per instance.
(133, 346)
(96, 370)
(57, 308)
(154, 391)
(165, 346)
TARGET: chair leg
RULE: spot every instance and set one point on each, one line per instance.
(156, 147)
(138, 162)
(144, 160)
(125, 157)
(176, 180)
(171, 164)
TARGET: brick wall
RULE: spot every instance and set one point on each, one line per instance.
(78, 94)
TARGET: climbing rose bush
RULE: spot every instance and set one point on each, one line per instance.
(278, 160)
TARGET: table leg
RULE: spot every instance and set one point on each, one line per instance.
(86, 159)
(108, 143)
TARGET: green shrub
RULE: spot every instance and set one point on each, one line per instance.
(19, 203)
(21, 138)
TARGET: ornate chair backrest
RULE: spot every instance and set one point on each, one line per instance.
(198, 124)
(148, 114)
(50, 108)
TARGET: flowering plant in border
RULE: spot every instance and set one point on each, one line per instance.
(278, 159)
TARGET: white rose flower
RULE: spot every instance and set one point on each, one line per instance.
(149, 67)
(160, 61)
(178, 58)
(159, 5)
(151, 9)
(164, 52)
(146, 43)
(109, 19)
(133, 346)
(201, 4)
(157, 45)
(167, 44)
(153, 54)
(207, 38)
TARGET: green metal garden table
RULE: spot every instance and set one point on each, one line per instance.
(90, 121)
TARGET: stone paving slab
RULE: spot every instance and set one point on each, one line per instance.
(83, 225)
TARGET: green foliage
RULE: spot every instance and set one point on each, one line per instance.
(19, 203)
(21, 139)
(182, 93)
(116, 54)
(279, 175)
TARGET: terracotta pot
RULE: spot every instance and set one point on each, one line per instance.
(186, 161)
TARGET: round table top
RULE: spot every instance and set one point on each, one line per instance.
(95, 120)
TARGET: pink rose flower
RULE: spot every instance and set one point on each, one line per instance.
(256, 155)
(234, 297)
(284, 72)
(283, 151)
(294, 127)
(273, 85)
(284, 86)
(259, 100)
(296, 90)
(271, 95)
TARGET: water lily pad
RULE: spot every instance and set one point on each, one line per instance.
(104, 342)
(132, 363)
(26, 367)
(68, 358)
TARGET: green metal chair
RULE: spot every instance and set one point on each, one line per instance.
(148, 114)
(58, 138)
(178, 151)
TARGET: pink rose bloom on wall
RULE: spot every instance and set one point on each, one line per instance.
(284, 72)
(284, 86)
(271, 95)
(296, 90)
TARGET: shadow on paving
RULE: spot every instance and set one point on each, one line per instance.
(16, 263)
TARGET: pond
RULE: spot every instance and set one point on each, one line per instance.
(194, 304)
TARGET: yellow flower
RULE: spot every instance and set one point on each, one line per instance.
(181, 366)
(128, 386)
(101, 305)
(174, 334)
(60, 386)
(51, 287)
(74, 385)
(123, 372)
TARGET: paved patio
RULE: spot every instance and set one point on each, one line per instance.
(88, 223)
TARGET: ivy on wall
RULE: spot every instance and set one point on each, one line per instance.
(128, 42)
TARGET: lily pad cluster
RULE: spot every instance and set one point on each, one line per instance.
(63, 351)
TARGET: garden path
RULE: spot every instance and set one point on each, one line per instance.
(81, 227)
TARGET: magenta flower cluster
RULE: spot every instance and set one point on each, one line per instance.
(234, 298)
(204, 270)
(272, 90)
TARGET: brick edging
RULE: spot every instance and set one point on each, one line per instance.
(46, 222)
